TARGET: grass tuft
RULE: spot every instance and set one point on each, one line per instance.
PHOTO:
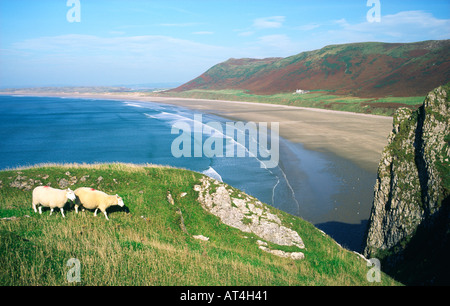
(143, 243)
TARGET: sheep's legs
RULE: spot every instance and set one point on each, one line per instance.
(40, 210)
(95, 214)
(76, 209)
(51, 211)
(62, 212)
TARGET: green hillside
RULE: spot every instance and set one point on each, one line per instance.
(151, 241)
(368, 70)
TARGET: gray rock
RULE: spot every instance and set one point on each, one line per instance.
(408, 190)
(201, 237)
(182, 225)
(248, 215)
(63, 183)
(169, 198)
(279, 253)
(23, 183)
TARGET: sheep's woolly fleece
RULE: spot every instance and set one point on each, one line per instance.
(91, 198)
(51, 197)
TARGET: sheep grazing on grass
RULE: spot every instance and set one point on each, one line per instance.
(95, 199)
(51, 197)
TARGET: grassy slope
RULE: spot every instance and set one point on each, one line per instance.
(147, 246)
(358, 69)
(370, 77)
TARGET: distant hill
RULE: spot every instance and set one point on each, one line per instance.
(368, 69)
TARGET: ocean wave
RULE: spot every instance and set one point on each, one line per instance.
(213, 174)
(145, 105)
(170, 117)
(150, 116)
(207, 130)
(133, 104)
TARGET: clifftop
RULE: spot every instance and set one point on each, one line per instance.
(410, 216)
(177, 228)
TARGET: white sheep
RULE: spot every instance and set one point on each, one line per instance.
(51, 197)
(96, 199)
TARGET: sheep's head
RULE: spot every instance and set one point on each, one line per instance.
(119, 201)
(70, 194)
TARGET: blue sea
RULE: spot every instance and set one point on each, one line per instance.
(37, 130)
(328, 191)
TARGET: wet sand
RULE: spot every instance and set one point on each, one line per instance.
(360, 138)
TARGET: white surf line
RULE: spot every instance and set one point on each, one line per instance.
(273, 190)
(278, 182)
(164, 115)
(292, 190)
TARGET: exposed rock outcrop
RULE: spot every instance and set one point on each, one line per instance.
(412, 190)
(246, 214)
(24, 183)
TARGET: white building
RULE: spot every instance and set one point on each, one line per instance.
(301, 91)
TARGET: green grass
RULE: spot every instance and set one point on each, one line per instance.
(315, 99)
(146, 245)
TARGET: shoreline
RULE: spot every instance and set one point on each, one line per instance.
(333, 192)
(359, 138)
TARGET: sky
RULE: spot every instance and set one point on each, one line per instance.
(118, 42)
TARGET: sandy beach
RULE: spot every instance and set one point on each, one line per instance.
(359, 138)
(329, 160)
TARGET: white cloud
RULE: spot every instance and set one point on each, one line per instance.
(246, 33)
(114, 60)
(404, 26)
(276, 40)
(276, 45)
(181, 25)
(145, 45)
(269, 22)
(117, 32)
(273, 22)
(203, 33)
(157, 58)
(308, 27)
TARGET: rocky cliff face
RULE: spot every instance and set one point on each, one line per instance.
(411, 196)
(248, 215)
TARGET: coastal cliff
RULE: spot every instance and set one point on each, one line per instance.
(178, 228)
(409, 228)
